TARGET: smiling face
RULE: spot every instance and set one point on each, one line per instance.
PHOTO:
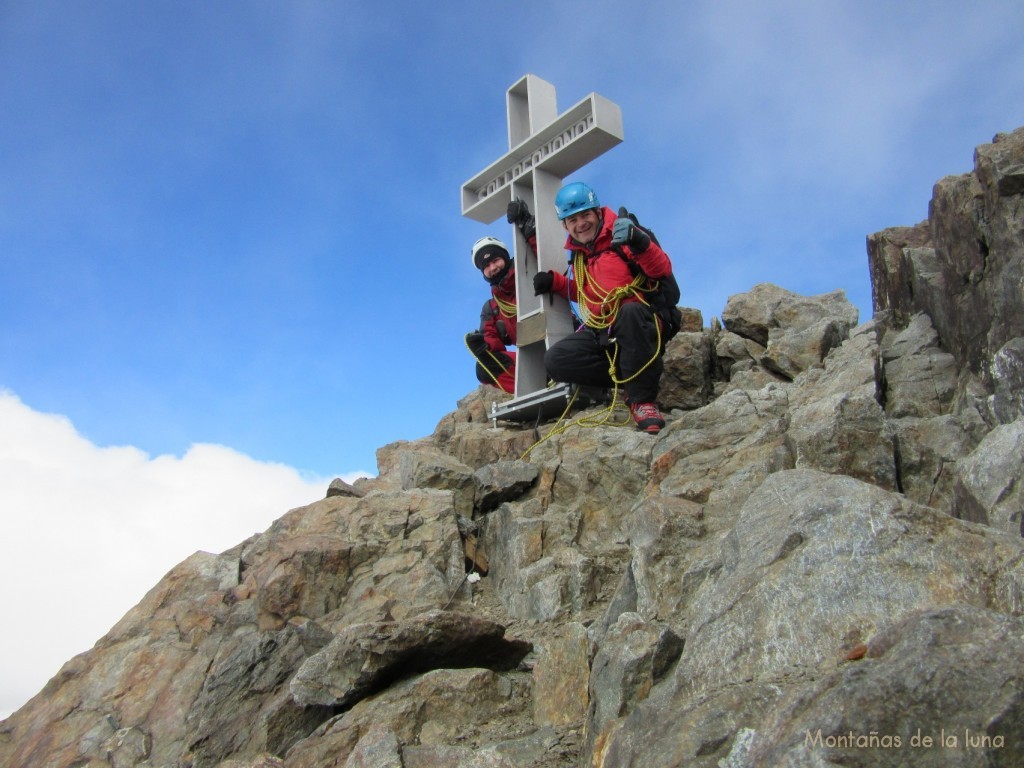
(493, 267)
(583, 227)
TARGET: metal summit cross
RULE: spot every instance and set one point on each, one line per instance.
(544, 148)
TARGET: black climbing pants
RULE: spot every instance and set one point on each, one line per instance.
(583, 357)
(490, 366)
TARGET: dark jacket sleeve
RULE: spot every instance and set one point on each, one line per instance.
(489, 326)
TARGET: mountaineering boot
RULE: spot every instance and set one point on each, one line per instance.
(647, 417)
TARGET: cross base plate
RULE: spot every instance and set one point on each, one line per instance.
(536, 406)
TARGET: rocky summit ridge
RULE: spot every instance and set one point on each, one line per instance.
(818, 562)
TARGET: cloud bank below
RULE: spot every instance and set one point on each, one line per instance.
(88, 530)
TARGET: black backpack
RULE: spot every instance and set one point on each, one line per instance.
(489, 311)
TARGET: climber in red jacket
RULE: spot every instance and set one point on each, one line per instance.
(495, 363)
(622, 281)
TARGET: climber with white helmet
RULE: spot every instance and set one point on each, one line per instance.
(622, 282)
(489, 344)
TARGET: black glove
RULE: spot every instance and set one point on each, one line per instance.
(518, 213)
(476, 342)
(625, 232)
(543, 282)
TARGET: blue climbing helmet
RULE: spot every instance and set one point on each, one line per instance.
(574, 198)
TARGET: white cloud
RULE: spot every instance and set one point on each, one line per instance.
(87, 531)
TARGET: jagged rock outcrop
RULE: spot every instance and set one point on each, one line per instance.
(962, 268)
(818, 562)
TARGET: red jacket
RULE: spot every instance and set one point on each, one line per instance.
(497, 324)
(606, 268)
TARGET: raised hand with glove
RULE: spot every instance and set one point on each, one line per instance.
(518, 213)
(625, 231)
(476, 342)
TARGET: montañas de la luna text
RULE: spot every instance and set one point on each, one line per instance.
(919, 740)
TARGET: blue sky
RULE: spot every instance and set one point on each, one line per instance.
(237, 224)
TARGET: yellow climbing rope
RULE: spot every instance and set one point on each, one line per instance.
(588, 291)
(610, 302)
(506, 308)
